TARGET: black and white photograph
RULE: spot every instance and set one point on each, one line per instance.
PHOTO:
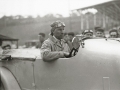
(59, 44)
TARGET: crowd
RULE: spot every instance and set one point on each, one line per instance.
(64, 45)
(99, 32)
(60, 44)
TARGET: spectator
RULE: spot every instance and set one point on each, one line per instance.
(41, 39)
(71, 36)
(65, 35)
(113, 33)
(88, 33)
(67, 38)
(55, 47)
(97, 28)
(99, 32)
(7, 47)
(75, 41)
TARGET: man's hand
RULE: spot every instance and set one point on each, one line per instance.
(66, 54)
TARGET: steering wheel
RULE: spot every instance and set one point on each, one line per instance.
(73, 52)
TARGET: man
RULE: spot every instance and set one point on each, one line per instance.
(88, 33)
(7, 47)
(71, 36)
(99, 32)
(96, 28)
(65, 35)
(113, 33)
(41, 39)
(75, 42)
(55, 47)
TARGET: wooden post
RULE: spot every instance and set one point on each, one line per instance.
(94, 20)
(104, 21)
(81, 20)
(87, 22)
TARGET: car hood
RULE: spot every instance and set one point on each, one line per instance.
(105, 46)
(24, 53)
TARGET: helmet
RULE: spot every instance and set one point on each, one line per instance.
(57, 24)
(87, 31)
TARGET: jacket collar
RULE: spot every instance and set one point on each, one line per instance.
(55, 40)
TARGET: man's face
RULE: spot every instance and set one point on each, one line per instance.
(58, 33)
(41, 38)
(70, 37)
(7, 48)
(99, 34)
(113, 34)
(88, 34)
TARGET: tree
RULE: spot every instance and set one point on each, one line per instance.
(30, 17)
(49, 16)
(4, 18)
(58, 16)
(38, 17)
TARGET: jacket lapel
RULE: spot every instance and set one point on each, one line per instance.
(55, 41)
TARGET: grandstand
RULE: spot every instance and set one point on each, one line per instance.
(105, 15)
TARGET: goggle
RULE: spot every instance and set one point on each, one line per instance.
(113, 35)
(60, 24)
(88, 34)
(88, 31)
(99, 33)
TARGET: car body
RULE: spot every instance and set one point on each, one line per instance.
(95, 67)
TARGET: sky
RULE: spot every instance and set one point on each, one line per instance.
(43, 7)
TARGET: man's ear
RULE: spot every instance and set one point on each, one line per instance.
(53, 32)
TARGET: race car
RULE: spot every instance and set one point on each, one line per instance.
(96, 66)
